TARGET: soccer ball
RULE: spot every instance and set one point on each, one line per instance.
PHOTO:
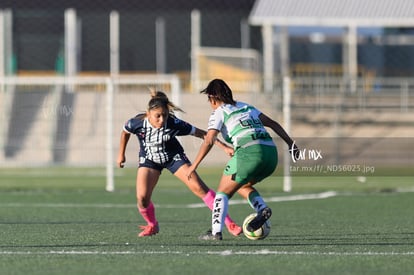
(260, 233)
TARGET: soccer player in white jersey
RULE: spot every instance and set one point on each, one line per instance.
(156, 130)
(255, 154)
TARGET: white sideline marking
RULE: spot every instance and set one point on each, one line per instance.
(323, 195)
(221, 253)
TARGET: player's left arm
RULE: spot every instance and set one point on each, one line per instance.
(278, 129)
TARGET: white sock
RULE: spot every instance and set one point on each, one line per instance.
(221, 202)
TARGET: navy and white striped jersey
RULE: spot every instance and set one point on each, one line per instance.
(158, 145)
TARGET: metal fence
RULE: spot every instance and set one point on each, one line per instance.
(363, 94)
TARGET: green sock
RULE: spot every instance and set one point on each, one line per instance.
(256, 201)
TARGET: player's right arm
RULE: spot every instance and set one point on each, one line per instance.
(226, 148)
(132, 126)
(205, 147)
(122, 147)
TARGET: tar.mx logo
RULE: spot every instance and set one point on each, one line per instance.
(305, 154)
(58, 110)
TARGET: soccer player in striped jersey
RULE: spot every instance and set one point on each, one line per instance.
(157, 130)
(255, 154)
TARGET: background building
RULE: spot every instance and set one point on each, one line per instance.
(39, 29)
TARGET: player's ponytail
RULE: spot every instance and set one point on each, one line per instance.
(160, 99)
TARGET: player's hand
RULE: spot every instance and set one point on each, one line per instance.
(121, 161)
(294, 151)
(229, 151)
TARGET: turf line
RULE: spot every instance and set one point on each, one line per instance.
(220, 253)
(322, 195)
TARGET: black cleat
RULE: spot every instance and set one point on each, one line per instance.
(260, 219)
(210, 237)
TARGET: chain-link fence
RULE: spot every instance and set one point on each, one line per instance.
(39, 30)
(156, 36)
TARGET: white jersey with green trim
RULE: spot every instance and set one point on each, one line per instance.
(240, 125)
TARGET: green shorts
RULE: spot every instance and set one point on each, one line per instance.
(253, 163)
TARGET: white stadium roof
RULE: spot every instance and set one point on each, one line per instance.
(334, 13)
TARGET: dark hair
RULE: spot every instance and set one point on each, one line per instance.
(160, 99)
(218, 89)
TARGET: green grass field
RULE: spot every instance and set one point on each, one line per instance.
(62, 221)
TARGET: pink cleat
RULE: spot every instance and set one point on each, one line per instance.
(148, 230)
(234, 229)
